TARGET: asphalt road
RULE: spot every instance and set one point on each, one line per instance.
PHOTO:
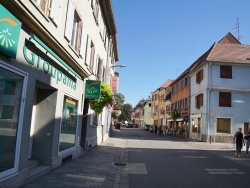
(164, 161)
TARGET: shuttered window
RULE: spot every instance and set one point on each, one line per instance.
(225, 71)
(55, 12)
(199, 101)
(43, 6)
(199, 76)
(225, 99)
(70, 20)
(83, 47)
(75, 33)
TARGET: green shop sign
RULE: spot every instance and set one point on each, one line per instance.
(10, 28)
(93, 89)
(40, 63)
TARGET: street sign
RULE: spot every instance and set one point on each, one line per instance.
(93, 89)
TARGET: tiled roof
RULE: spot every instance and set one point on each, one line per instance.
(166, 84)
(234, 53)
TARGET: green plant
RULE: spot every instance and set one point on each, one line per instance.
(115, 114)
(106, 96)
(174, 114)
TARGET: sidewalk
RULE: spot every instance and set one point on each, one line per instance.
(95, 169)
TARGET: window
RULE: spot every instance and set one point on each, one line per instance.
(173, 89)
(177, 87)
(196, 125)
(75, 31)
(186, 81)
(225, 99)
(225, 71)
(69, 123)
(92, 57)
(223, 125)
(199, 101)
(199, 76)
(11, 87)
(95, 7)
(43, 5)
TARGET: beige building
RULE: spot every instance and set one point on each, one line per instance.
(48, 51)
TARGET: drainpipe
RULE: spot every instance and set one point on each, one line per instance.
(208, 106)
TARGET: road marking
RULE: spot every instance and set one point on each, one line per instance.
(224, 171)
(137, 168)
(195, 157)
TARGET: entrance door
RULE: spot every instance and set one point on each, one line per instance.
(246, 127)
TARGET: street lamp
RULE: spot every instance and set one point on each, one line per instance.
(120, 66)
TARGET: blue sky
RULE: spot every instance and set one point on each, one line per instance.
(158, 40)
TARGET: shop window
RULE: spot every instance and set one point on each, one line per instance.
(7, 112)
(226, 71)
(69, 123)
(11, 86)
(199, 101)
(223, 125)
(225, 99)
(199, 76)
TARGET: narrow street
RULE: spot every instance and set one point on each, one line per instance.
(151, 161)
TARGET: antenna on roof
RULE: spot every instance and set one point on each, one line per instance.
(238, 28)
(177, 70)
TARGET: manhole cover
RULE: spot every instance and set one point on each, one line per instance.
(120, 164)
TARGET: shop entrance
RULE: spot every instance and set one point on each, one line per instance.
(42, 123)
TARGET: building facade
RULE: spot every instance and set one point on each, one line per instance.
(220, 91)
(48, 50)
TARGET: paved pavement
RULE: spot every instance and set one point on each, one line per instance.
(150, 161)
(94, 169)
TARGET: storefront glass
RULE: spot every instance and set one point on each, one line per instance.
(69, 123)
(11, 85)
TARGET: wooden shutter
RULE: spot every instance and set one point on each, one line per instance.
(70, 20)
(88, 51)
(55, 12)
(83, 42)
(100, 69)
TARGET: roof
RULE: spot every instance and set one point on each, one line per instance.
(233, 53)
(166, 84)
(228, 49)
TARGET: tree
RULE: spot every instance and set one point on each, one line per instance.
(119, 99)
(126, 112)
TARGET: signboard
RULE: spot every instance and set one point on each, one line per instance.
(10, 28)
(93, 89)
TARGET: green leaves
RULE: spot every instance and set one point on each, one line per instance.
(106, 96)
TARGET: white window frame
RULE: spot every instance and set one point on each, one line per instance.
(77, 139)
(11, 172)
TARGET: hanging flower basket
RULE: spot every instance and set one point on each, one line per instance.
(106, 96)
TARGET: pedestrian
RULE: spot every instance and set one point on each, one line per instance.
(247, 137)
(238, 139)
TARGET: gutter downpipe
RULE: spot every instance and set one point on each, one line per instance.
(208, 106)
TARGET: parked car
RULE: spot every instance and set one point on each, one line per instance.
(129, 125)
(146, 127)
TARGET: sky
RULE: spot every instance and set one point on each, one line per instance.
(159, 39)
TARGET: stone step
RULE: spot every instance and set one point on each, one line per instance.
(37, 171)
(33, 163)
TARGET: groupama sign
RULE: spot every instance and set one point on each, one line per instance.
(93, 89)
(10, 28)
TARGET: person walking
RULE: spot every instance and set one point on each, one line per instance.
(238, 139)
(247, 137)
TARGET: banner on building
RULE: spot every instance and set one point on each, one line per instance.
(93, 89)
(114, 83)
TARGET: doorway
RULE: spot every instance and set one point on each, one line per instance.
(42, 123)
